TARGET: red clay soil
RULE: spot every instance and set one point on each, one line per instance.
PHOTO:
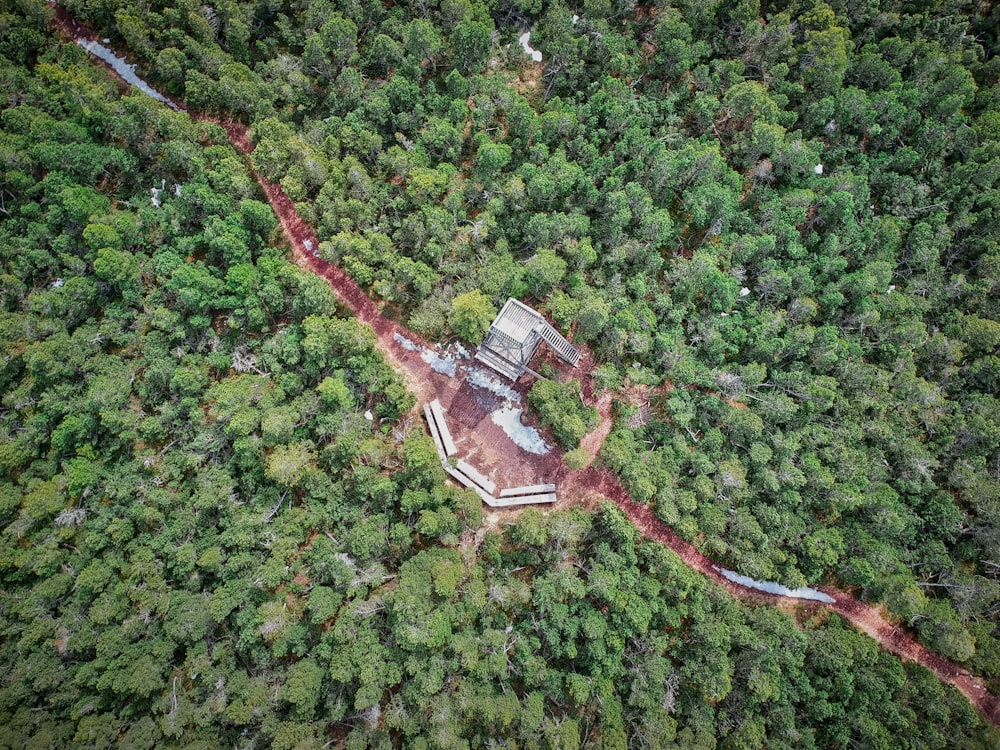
(301, 238)
(68, 27)
(487, 447)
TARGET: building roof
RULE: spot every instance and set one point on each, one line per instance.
(514, 337)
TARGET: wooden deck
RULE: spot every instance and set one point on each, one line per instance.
(480, 479)
(435, 433)
(469, 476)
(531, 489)
(446, 439)
(514, 336)
(463, 480)
(496, 362)
(506, 502)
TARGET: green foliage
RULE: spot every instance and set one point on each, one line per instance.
(471, 315)
(201, 531)
(561, 408)
(576, 459)
(287, 464)
(175, 438)
(302, 688)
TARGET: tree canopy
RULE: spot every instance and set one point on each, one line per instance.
(776, 227)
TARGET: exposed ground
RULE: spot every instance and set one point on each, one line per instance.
(488, 448)
(493, 453)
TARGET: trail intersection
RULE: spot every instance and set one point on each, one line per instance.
(485, 443)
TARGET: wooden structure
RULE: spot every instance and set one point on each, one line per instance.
(435, 418)
(514, 337)
(469, 476)
(535, 493)
(533, 489)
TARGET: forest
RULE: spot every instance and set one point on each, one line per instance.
(775, 222)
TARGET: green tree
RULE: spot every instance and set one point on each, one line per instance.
(288, 464)
(561, 408)
(471, 315)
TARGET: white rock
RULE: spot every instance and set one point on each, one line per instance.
(410, 346)
(369, 416)
(818, 169)
(508, 418)
(744, 292)
(525, 40)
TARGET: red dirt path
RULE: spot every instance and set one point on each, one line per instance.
(489, 449)
(584, 485)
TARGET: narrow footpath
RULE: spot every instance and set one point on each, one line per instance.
(578, 487)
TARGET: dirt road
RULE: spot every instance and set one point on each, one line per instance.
(583, 485)
(480, 438)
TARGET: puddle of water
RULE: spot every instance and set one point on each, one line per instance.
(125, 70)
(772, 587)
(443, 364)
(508, 416)
(404, 342)
(481, 379)
(444, 361)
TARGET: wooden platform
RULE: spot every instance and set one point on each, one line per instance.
(466, 482)
(514, 336)
(506, 502)
(495, 362)
(435, 433)
(446, 439)
(531, 489)
(469, 476)
(480, 479)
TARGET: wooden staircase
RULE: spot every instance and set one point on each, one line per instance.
(566, 351)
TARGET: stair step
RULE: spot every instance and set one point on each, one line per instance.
(446, 439)
(505, 502)
(530, 489)
(562, 347)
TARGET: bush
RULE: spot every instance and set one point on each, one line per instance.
(560, 408)
(471, 315)
(576, 459)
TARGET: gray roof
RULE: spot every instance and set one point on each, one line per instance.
(515, 335)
